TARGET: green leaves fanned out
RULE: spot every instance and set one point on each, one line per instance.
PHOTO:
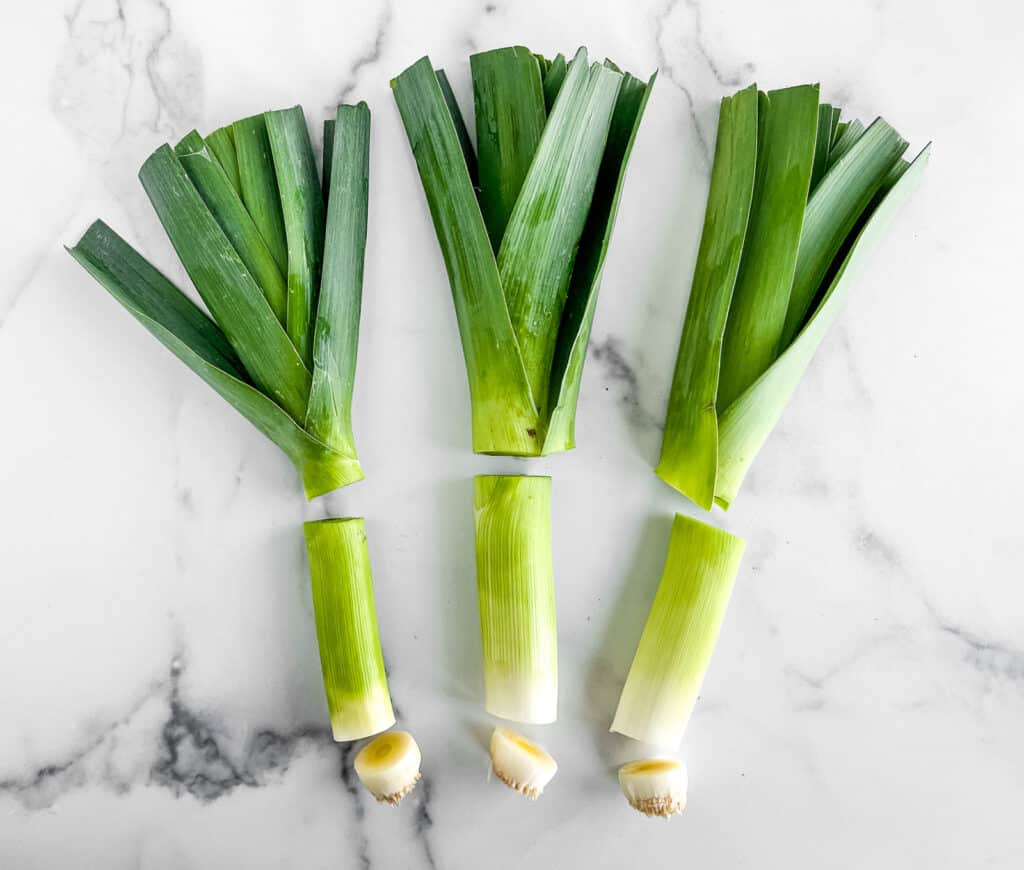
(244, 352)
(548, 191)
(795, 257)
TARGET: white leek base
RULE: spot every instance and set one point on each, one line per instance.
(389, 766)
(354, 720)
(655, 786)
(520, 763)
(529, 698)
(652, 712)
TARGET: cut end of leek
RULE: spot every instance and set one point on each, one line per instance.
(654, 786)
(521, 764)
(389, 766)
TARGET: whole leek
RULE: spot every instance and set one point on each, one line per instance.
(244, 210)
(524, 225)
(515, 587)
(679, 637)
(796, 202)
(346, 629)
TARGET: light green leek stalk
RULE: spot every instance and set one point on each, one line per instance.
(346, 629)
(759, 306)
(516, 593)
(679, 637)
(553, 140)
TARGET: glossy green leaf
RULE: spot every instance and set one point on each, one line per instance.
(538, 250)
(230, 213)
(832, 212)
(222, 144)
(845, 140)
(787, 132)
(554, 76)
(581, 303)
(505, 418)
(460, 127)
(509, 99)
(302, 204)
(227, 287)
(689, 451)
(259, 184)
(329, 417)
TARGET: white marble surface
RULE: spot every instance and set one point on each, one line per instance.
(159, 686)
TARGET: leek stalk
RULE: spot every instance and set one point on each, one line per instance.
(515, 587)
(679, 637)
(797, 198)
(346, 629)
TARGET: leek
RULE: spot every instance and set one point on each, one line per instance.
(346, 629)
(524, 225)
(679, 637)
(515, 587)
(249, 350)
(655, 786)
(521, 764)
(797, 199)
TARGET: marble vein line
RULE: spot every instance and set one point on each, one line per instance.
(618, 370)
(369, 57)
(188, 756)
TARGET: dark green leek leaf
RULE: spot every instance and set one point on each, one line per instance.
(553, 78)
(689, 451)
(505, 418)
(226, 206)
(303, 206)
(197, 341)
(845, 140)
(538, 250)
(329, 417)
(833, 210)
(828, 117)
(222, 144)
(259, 185)
(787, 130)
(510, 116)
(460, 127)
(227, 287)
(578, 317)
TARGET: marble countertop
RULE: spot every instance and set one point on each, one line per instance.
(159, 681)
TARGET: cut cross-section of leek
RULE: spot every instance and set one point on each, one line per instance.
(515, 586)
(796, 198)
(389, 766)
(679, 637)
(520, 763)
(525, 230)
(654, 786)
(346, 628)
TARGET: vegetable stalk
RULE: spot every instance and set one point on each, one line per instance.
(515, 587)
(679, 637)
(346, 629)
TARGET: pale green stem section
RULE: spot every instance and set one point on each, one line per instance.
(679, 637)
(346, 629)
(515, 585)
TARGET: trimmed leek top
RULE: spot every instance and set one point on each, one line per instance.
(524, 224)
(280, 275)
(797, 200)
